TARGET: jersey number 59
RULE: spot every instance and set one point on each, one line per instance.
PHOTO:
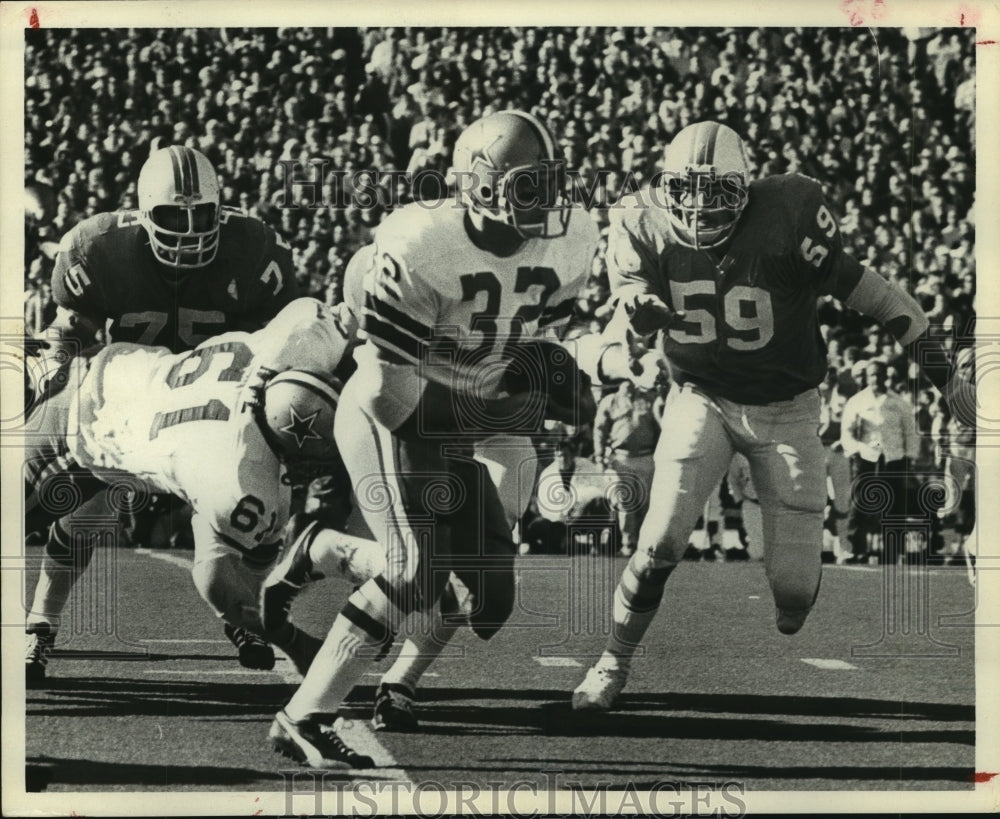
(747, 314)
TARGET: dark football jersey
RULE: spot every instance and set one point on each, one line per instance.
(751, 333)
(106, 271)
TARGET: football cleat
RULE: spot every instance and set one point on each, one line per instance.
(40, 640)
(600, 688)
(292, 572)
(253, 651)
(791, 620)
(394, 709)
(314, 743)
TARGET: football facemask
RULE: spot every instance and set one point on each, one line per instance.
(506, 169)
(179, 204)
(706, 184)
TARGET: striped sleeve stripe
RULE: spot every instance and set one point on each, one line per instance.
(384, 333)
(558, 312)
(397, 317)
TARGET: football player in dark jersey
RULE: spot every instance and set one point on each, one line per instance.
(728, 272)
(173, 273)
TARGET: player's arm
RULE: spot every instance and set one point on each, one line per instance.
(840, 274)
(80, 314)
(397, 312)
(237, 536)
(275, 284)
(76, 290)
(636, 288)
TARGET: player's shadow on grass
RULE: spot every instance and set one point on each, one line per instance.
(40, 772)
(860, 773)
(92, 697)
(458, 711)
(554, 700)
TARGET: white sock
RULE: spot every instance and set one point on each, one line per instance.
(420, 650)
(57, 578)
(52, 591)
(339, 663)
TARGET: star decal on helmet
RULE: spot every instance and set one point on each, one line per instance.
(483, 154)
(301, 426)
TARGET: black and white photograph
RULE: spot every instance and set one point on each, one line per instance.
(425, 410)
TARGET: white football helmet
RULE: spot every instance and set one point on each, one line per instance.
(706, 179)
(507, 169)
(297, 410)
(179, 207)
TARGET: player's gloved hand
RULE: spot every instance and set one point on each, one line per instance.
(547, 368)
(648, 313)
(646, 370)
(34, 347)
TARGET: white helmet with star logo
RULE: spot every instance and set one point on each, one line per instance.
(298, 409)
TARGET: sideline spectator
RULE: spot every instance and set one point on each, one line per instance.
(879, 437)
(625, 435)
(571, 498)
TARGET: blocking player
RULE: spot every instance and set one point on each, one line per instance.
(173, 273)
(455, 293)
(221, 427)
(728, 271)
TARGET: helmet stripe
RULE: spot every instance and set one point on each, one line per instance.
(540, 131)
(176, 165)
(182, 170)
(310, 382)
(705, 143)
(193, 163)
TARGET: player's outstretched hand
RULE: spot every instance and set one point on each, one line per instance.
(648, 313)
(646, 370)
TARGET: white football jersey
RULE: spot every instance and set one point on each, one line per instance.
(434, 299)
(182, 423)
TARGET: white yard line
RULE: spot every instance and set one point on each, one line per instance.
(235, 672)
(169, 557)
(830, 665)
(379, 674)
(201, 642)
(558, 662)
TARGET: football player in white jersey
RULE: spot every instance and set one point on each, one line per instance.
(456, 293)
(220, 426)
(315, 549)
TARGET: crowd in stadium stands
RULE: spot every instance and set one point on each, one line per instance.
(883, 118)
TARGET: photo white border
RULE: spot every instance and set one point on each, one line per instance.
(14, 18)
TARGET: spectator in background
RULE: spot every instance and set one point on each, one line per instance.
(625, 435)
(572, 495)
(879, 436)
(741, 489)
